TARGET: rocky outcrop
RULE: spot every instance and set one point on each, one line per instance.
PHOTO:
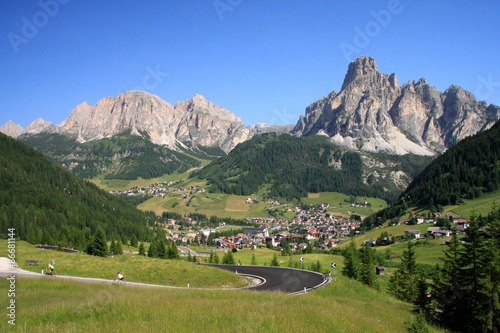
(12, 129)
(197, 121)
(373, 113)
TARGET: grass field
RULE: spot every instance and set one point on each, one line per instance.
(397, 230)
(135, 268)
(51, 305)
(339, 207)
(481, 205)
(123, 184)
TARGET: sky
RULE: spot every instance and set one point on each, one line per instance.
(264, 60)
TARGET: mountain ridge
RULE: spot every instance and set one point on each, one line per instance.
(372, 112)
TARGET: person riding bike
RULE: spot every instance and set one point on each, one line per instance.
(119, 278)
(50, 269)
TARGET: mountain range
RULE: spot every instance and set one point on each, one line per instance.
(372, 112)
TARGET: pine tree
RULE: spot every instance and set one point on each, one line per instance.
(133, 241)
(216, 258)
(422, 301)
(118, 248)
(403, 283)
(352, 264)
(112, 247)
(142, 251)
(99, 246)
(367, 273)
(211, 258)
(162, 250)
(275, 262)
(172, 252)
(153, 250)
(228, 258)
(253, 261)
(446, 284)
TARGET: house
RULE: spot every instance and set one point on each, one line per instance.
(370, 242)
(411, 231)
(436, 232)
(394, 222)
(380, 270)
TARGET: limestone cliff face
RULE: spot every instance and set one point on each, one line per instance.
(196, 120)
(12, 129)
(373, 113)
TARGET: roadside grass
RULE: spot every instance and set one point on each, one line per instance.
(264, 256)
(135, 268)
(344, 305)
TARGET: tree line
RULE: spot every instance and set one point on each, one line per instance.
(47, 204)
(294, 166)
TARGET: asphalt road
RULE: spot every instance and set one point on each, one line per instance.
(287, 280)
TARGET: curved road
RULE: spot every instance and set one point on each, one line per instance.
(289, 280)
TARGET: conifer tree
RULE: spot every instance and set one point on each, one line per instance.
(403, 283)
(228, 258)
(275, 262)
(162, 249)
(99, 246)
(172, 252)
(352, 264)
(473, 262)
(133, 241)
(253, 261)
(142, 251)
(446, 285)
(216, 258)
(153, 250)
(367, 272)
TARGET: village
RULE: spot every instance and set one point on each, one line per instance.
(162, 189)
(313, 226)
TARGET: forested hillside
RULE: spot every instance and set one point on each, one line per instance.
(47, 204)
(465, 171)
(298, 165)
(123, 156)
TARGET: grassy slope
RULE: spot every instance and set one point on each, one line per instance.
(135, 268)
(481, 205)
(342, 306)
(234, 206)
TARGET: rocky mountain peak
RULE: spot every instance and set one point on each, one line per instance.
(40, 125)
(373, 113)
(11, 129)
(361, 66)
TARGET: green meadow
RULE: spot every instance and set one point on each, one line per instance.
(53, 305)
(135, 268)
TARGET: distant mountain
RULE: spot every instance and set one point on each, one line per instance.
(195, 121)
(47, 204)
(122, 156)
(465, 171)
(295, 166)
(373, 113)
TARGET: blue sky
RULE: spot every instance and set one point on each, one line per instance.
(264, 60)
